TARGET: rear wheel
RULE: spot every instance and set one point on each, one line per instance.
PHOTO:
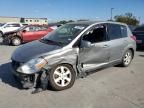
(62, 77)
(127, 58)
(16, 41)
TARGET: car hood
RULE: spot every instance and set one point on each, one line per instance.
(32, 50)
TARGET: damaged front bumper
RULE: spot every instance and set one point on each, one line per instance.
(33, 80)
(27, 81)
(6, 39)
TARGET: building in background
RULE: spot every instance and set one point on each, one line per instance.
(9, 19)
(40, 21)
(29, 21)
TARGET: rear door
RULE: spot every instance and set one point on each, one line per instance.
(118, 41)
(40, 32)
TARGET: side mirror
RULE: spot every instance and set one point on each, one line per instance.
(85, 44)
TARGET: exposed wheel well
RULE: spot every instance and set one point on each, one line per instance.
(16, 37)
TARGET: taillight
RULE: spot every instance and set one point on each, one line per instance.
(134, 38)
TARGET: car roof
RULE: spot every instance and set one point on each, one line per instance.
(35, 25)
(96, 22)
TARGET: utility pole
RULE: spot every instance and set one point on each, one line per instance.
(139, 19)
(112, 14)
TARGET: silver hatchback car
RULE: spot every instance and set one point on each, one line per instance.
(72, 51)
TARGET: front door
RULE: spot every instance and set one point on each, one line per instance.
(94, 48)
(29, 33)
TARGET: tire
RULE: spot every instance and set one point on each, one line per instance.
(16, 41)
(127, 58)
(62, 77)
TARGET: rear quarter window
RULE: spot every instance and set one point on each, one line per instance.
(124, 31)
(114, 31)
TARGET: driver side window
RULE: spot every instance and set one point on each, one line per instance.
(95, 34)
(30, 29)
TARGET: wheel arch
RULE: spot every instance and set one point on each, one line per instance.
(133, 53)
(16, 36)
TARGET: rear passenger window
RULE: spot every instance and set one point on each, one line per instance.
(124, 31)
(44, 28)
(37, 28)
(114, 31)
(30, 28)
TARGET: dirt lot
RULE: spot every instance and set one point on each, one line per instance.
(112, 87)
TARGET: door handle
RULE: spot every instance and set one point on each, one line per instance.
(105, 46)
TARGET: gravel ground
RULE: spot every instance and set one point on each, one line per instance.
(113, 87)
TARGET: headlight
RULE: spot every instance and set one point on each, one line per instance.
(32, 66)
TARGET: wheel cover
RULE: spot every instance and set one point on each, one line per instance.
(16, 41)
(127, 58)
(62, 76)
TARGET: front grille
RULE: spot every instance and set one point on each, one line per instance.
(16, 64)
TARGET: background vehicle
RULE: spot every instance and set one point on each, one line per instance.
(73, 50)
(8, 27)
(26, 34)
(139, 33)
(54, 26)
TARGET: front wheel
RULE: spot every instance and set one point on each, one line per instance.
(127, 58)
(62, 77)
(16, 41)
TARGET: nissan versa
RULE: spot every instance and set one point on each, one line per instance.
(72, 51)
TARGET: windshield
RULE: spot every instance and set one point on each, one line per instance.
(1, 24)
(65, 34)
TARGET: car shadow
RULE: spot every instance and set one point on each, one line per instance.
(141, 55)
(3, 43)
(7, 77)
(140, 50)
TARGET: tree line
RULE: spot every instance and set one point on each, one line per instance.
(127, 18)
